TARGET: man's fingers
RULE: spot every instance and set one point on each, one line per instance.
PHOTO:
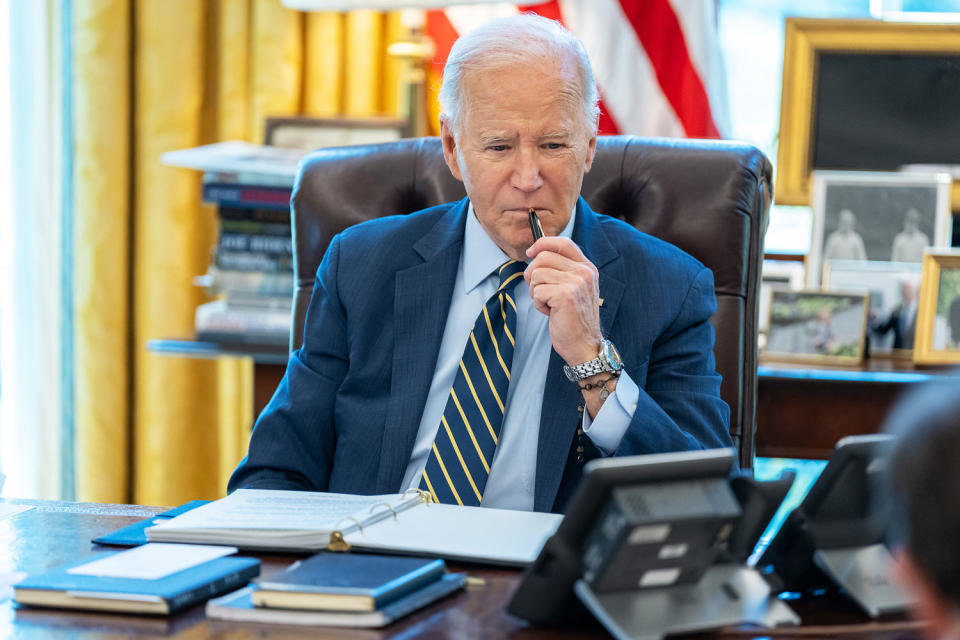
(557, 244)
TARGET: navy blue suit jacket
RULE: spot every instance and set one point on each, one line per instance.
(346, 414)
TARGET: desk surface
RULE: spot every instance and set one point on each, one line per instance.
(54, 533)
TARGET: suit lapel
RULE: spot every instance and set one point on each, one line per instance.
(421, 304)
(559, 417)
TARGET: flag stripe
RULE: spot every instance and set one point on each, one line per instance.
(630, 90)
(656, 61)
(659, 32)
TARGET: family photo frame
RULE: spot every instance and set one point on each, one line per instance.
(876, 216)
(894, 289)
(938, 321)
(828, 327)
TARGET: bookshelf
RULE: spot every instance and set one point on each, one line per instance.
(251, 268)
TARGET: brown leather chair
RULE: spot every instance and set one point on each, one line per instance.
(710, 198)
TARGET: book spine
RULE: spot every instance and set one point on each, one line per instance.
(431, 574)
(256, 227)
(220, 585)
(215, 316)
(253, 261)
(247, 196)
(245, 214)
(256, 243)
(251, 283)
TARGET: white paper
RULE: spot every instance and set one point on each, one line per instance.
(477, 534)
(151, 561)
(261, 509)
(238, 157)
(8, 510)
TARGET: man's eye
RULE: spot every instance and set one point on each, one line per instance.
(553, 146)
(497, 147)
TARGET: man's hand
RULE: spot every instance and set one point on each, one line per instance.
(564, 286)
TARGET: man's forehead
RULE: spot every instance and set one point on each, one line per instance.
(509, 132)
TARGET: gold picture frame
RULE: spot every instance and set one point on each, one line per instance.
(938, 311)
(813, 325)
(888, 283)
(804, 40)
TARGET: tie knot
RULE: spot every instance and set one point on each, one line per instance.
(511, 273)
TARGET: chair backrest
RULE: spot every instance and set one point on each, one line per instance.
(710, 198)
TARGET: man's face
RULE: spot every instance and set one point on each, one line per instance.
(847, 221)
(521, 142)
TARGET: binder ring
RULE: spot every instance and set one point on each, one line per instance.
(385, 505)
(425, 496)
(355, 521)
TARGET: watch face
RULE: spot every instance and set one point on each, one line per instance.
(612, 355)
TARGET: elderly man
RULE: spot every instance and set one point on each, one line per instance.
(908, 245)
(845, 243)
(446, 350)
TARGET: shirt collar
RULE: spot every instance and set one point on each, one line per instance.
(482, 256)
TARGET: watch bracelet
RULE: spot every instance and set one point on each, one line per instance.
(590, 386)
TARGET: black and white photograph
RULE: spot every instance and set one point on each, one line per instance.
(894, 289)
(824, 326)
(876, 216)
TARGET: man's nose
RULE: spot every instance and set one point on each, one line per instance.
(526, 172)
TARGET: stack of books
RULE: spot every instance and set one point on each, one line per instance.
(252, 273)
(343, 590)
(153, 578)
(251, 269)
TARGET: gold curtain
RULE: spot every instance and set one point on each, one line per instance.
(152, 76)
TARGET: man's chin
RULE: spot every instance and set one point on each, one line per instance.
(518, 252)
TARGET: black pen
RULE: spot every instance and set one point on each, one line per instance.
(535, 225)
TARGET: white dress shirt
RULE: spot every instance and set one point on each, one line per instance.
(513, 470)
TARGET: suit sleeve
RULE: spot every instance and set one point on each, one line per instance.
(679, 406)
(294, 438)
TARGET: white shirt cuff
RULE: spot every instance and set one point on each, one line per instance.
(611, 422)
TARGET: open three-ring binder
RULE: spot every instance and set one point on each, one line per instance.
(411, 523)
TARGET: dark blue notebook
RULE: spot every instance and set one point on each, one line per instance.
(135, 534)
(346, 582)
(58, 588)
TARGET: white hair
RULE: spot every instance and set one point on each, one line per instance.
(505, 42)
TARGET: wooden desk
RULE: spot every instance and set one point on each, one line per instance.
(54, 533)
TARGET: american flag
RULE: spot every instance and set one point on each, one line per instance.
(657, 62)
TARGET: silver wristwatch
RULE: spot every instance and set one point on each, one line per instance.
(607, 360)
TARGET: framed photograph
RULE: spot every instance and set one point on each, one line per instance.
(845, 84)
(887, 217)
(938, 319)
(822, 326)
(894, 289)
(776, 275)
(314, 133)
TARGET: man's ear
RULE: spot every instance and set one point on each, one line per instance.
(930, 605)
(591, 152)
(449, 147)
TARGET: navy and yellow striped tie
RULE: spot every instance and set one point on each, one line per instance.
(459, 463)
